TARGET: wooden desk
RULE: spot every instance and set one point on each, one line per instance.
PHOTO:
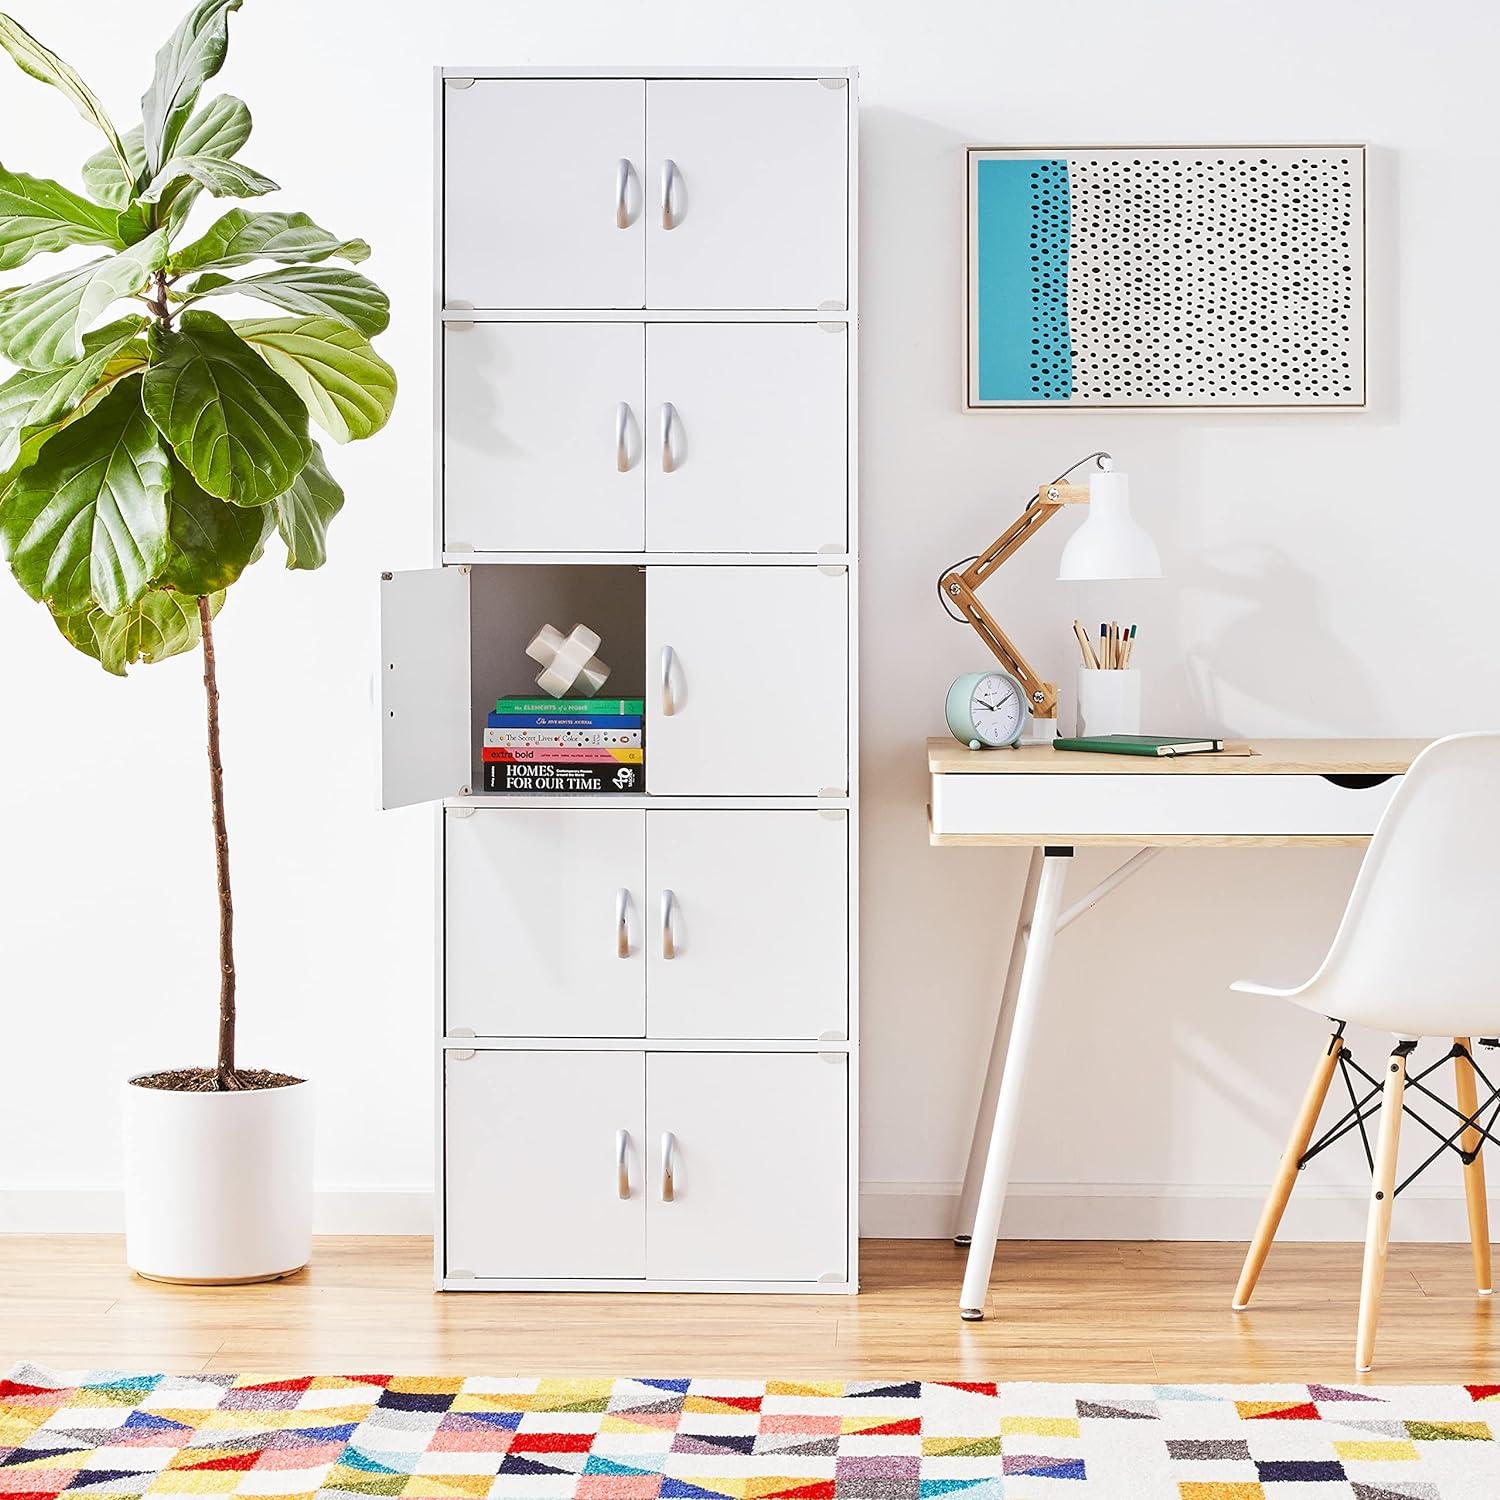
(1305, 793)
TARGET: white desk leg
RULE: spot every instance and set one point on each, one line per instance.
(1012, 1083)
(979, 1146)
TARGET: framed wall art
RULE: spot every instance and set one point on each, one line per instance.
(1166, 276)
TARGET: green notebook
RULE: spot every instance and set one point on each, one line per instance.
(1140, 744)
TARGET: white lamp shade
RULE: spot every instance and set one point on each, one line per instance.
(1111, 543)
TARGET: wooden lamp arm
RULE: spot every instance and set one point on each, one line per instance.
(960, 587)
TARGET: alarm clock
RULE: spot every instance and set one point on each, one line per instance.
(986, 709)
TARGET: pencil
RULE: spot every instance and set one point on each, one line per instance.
(1089, 659)
(1103, 644)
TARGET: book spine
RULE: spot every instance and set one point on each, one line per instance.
(563, 721)
(624, 738)
(560, 754)
(560, 779)
(570, 705)
(1091, 748)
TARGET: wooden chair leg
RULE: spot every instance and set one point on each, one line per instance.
(1472, 1140)
(1286, 1173)
(1382, 1197)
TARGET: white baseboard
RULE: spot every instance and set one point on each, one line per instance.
(892, 1210)
(102, 1211)
(1161, 1211)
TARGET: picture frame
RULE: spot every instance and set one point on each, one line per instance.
(1128, 277)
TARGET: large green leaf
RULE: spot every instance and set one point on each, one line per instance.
(304, 512)
(161, 623)
(33, 400)
(42, 325)
(87, 522)
(218, 129)
(42, 63)
(241, 236)
(222, 178)
(210, 542)
(349, 389)
(103, 178)
(320, 291)
(187, 60)
(33, 439)
(238, 427)
(38, 215)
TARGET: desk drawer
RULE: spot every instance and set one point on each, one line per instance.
(1071, 807)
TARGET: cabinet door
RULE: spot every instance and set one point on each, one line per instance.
(542, 441)
(749, 924)
(543, 925)
(545, 1164)
(542, 194)
(424, 685)
(748, 1176)
(748, 193)
(749, 687)
(748, 437)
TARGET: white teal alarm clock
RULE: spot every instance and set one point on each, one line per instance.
(986, 709)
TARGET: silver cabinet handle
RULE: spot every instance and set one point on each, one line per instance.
(668, 1167)
(668, 183)
(668, 702)
(622, 1163)
(668, 940)
(622, 923)
(622, 193)
(622, 437)
(668, 425)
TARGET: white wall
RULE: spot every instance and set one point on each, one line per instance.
(1326, 574)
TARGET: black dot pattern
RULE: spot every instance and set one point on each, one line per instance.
(1050, 365)
(1216, 277)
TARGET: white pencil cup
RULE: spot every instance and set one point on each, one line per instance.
(1109, 702)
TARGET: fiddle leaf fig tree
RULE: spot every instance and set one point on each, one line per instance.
(151, 441)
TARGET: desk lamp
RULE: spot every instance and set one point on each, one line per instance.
(1109, 544)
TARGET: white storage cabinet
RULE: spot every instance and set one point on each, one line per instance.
(647, 1022)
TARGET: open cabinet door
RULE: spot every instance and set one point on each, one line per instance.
(424, 679)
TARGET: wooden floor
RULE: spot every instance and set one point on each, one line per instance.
(1069, 1311)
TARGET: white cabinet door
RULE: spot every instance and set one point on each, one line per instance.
(748, 446)
(545, 1164)
(544, 934)
(747, 198)
(542, 438)
(542, 201)
(747, 681)
(748, 1176)
(424, 685)
(748, 924)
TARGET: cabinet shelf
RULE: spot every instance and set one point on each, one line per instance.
(641, 1044)
(649, 559)
(647, 799)
(459, 316)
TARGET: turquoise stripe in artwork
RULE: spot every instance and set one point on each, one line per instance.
(1023, 222)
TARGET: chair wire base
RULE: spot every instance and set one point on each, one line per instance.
(1363, 1108)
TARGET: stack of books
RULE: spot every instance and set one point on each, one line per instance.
(565, 745)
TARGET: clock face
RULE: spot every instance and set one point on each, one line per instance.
(997, 709)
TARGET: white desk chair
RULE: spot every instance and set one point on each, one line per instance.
(1417, 954)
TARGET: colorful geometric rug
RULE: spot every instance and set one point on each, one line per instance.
(472, 1438)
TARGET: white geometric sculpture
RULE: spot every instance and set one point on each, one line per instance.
(568, 662)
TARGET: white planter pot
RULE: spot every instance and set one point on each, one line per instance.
(218, 1186)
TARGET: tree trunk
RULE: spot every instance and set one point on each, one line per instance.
(227, 1078)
